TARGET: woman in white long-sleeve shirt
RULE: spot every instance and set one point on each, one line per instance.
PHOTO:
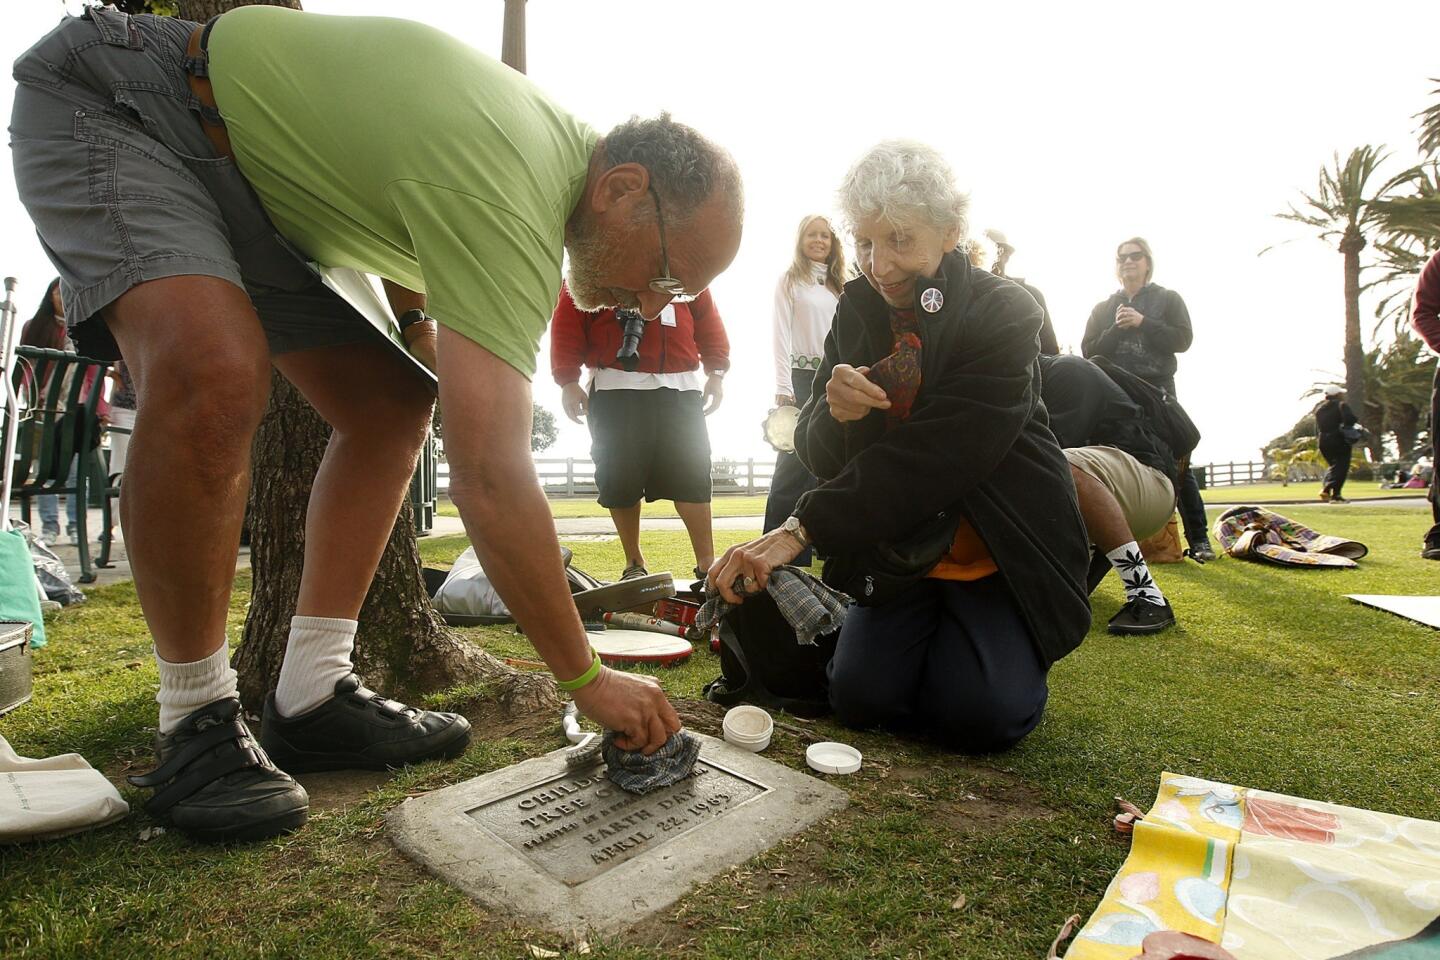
(805, 300)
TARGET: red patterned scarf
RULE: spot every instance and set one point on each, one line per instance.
(899, 373)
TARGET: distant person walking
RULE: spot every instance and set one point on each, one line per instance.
(1425, 315)
(1141, 327)
(1335, 426)
(805, 300)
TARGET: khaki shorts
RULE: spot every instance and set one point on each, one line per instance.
(1145, 495)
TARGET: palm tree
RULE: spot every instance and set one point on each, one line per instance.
(1409, 233)
(1345, 212)
(1430, 124)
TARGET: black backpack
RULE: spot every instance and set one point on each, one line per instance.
(1161, 410)
(761, 662)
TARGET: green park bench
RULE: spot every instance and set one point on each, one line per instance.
(57, 425)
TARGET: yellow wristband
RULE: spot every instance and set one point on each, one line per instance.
(570, 686)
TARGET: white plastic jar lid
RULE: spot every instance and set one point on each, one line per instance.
(831, 757)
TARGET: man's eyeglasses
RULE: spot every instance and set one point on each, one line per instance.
(665, 283)
(1134, 256)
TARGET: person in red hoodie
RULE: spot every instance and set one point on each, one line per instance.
(1425, 315)
(647, 425)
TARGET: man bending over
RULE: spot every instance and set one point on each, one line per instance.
(179, 178)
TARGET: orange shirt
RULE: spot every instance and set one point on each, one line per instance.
(967, 558)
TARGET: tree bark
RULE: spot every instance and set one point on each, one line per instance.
(402, 646)
(512, 37)
(1355, 393)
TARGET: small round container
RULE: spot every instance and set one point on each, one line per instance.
(831, 757)
(748, 728)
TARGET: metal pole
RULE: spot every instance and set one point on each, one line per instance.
(12, 402)
(512, 40)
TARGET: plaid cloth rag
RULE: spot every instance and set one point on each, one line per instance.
(633, 772)
(1255, 533)
(809, 606)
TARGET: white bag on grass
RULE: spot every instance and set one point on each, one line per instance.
(42, 799)
(467, 591)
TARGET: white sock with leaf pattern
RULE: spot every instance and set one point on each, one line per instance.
(1129, 563)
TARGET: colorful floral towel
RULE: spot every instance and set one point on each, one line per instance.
(1255, 533)
(1271, 877)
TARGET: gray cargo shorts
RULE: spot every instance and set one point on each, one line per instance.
(123, 186)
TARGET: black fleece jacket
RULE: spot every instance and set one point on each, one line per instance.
(1148, 351)
(977, 440)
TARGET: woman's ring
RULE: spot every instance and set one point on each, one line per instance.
(749, 582)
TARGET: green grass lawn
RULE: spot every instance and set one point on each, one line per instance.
(1273, 679)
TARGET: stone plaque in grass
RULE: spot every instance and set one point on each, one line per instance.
(567, 850)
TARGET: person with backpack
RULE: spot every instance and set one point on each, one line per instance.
(1124, 471)
(1140, 328)
(1335, 426)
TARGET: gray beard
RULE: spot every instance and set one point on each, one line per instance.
(587, 258)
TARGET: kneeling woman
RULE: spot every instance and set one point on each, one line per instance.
(946, 507)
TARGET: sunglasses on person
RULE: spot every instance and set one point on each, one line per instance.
(1134, 256)
(665, 283)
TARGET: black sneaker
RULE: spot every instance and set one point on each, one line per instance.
(1430, 552)
(1202, 552)
(360, 729)
(215, 783)
(633, 571)
(1142, 616)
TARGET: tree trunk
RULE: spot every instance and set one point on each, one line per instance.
(512, 38)
(1350, 246)
(1404, 419)
(402, 647)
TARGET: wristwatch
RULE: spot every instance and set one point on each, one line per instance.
(412, 317)
(792, 526)
(719, 373)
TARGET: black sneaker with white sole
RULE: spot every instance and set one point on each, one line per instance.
(1201, 552)
(215, 783)
(359, 729)
(1142, 616)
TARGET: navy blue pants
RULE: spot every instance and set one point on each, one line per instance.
(1337, 454)
(949, 658)
(791, 480)
(1432, 538)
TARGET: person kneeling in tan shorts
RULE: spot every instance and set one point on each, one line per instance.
(1116, 461)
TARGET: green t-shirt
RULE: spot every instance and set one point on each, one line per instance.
(391, 147)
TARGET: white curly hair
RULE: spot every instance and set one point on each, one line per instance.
(900, 180)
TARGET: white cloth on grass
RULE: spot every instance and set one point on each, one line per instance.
(468, 591)
(53, 797)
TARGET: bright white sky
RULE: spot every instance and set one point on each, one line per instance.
(1074, 125)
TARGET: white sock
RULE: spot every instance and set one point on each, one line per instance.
(186, 687)
(1129, 563)
(317, 656)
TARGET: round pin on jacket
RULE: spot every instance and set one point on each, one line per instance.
(932, 300)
